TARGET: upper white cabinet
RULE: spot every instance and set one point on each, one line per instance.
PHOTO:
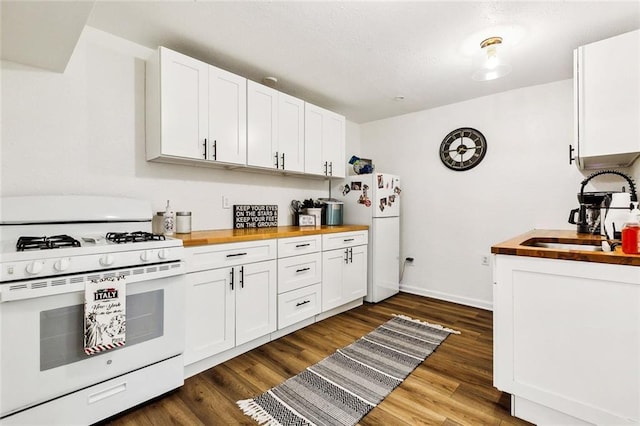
(262, 125)
(275, 129)
(324, 135)
(227, 117)
(202, 115)
(607, 105)
(194, 111)
(291, 133)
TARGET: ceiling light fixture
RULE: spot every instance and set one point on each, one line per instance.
(493, 66)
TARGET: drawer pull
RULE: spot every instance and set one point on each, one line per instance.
(236, 254)
(346, 240)
(302, 270)
(303, 303)
(107, 393)
(303, 245)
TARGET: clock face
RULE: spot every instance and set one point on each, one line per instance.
(463, 149)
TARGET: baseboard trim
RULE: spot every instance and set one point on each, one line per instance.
(476, 303)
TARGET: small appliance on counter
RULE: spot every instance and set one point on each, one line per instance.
(603, 212)
(589, 218)
(331, 211)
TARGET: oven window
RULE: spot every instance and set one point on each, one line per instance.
(61, 329)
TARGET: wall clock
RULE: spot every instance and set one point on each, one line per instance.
(463, 149)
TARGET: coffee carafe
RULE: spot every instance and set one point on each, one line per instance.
(589, 218)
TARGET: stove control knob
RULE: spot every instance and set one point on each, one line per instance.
(35, 267)
(62, 264)
(107, 260)
(163, 253)
(144, 256)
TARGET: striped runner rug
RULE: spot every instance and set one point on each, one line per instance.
(345, 386)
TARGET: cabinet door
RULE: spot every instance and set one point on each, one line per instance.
(184, 105)
(324, 142)
(262, 125)
(333, 143)
(333, 263)
(608, 104)
(313, 162)
(256, 300)
(227, 117)
(355, 274)
(291, 133)
(210, 313)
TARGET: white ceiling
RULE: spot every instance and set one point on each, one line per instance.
(356, 57)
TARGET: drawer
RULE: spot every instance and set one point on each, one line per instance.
(344, 239)
(213, 256)
(298, 305)
(299, 271)
(299, 245)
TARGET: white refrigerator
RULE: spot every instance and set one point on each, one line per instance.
(374, 200)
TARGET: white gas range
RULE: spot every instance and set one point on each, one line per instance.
(52, 248)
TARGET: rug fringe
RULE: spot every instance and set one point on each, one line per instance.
(438, 326)
(257, 413)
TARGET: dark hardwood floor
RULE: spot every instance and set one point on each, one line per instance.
(452, 387)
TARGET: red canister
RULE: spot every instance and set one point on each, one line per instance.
(630, 233)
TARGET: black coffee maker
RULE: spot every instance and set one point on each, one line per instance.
(589, 219)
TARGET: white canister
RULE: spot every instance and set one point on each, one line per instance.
(183, 222)
(157, 225)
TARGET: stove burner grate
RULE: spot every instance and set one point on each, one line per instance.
(45, 243)
(133, 237)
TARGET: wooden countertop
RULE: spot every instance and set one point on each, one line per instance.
(522, 246)
(219, 236)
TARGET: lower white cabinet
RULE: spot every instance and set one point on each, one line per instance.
(231, 305)
(567, 340)
(344, 270)
(299, 279)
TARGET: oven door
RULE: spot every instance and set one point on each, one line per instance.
(42, 341)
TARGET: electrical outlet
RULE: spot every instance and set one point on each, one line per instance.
(225, 202)
(484, 260)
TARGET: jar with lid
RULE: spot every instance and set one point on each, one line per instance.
(183, 222)
(631, 234)
(157, 225)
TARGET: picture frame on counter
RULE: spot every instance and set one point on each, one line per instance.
(306, 220)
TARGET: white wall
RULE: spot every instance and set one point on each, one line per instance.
(450, 219)
(82, 132)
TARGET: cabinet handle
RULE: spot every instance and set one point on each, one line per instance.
(350, 255)
(303, 245)
(346, 255)
(242, 276)
(276, 157)
(571, 157)
(205, 148)
(326, 168)
(346, 240)
(331, 168)
(215, 149)
(232, 274)
(283, 161)
(236, 254)
(302, 270)
(303, 303)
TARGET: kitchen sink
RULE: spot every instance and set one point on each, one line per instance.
(534, 242)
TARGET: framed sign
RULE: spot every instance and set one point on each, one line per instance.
(307, 220)
(255, 216)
